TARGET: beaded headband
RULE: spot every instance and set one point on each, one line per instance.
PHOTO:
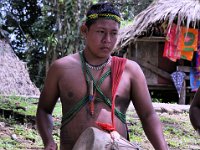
(108, 15)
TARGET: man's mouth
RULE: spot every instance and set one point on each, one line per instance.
(105, 48)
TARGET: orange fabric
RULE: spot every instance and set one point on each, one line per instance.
(170, 48)
(117, 68)
(187, 43)
(187, 55)
(105, 126)
(180, 43)
(188, 39)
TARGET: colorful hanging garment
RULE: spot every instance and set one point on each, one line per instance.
(170, 48)
(187, 55)
(187, 42)
(194, 79)
(197, 60)
(198, 54)
(178, 78)
(198, 41)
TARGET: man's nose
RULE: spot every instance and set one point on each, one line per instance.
(107, 38)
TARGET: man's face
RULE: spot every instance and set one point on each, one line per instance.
(101, 37)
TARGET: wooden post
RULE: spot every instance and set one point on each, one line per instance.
(182, 98)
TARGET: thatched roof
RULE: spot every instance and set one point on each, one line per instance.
(14, 76)
(184, 12)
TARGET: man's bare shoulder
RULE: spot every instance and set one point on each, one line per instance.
(132, 66)
(69, 61)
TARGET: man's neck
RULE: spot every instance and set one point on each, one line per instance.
(95, 61)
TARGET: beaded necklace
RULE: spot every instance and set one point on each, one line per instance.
(97, 67)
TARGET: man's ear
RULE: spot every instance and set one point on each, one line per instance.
(84, 30)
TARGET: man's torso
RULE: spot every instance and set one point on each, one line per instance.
(73, 87)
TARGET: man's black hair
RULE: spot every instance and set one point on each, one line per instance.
(101, 8)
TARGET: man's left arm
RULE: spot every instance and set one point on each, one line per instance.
(144, 108)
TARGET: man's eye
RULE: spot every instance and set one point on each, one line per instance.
(100, 31)
(114, 33)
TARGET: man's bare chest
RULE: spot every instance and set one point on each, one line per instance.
(77, 85)
(74, 87)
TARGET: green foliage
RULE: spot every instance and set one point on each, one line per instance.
(7, 143)
(157, 100)
(25, 106)
(18, 16)
(26, 133)
(19, 105)
(43, 31)
(179, 131)
(177, 128)
(25, 136)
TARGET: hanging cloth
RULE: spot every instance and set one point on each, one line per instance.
(197, 56)
(178, 78)
(187, 43)
(194, 79)
(170, 48)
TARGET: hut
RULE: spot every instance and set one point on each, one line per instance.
(145, 40)
(14, 76)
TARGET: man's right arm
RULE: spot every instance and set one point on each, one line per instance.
(142, 101)
(194, 111)
(47, 101)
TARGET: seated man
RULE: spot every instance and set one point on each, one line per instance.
(95, 88)
(195, 111)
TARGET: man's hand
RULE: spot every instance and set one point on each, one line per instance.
(51, 146)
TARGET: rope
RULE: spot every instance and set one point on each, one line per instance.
(107, 101)
(73, 111)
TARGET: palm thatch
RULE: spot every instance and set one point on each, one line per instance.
(183, 12)
(14, 76)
